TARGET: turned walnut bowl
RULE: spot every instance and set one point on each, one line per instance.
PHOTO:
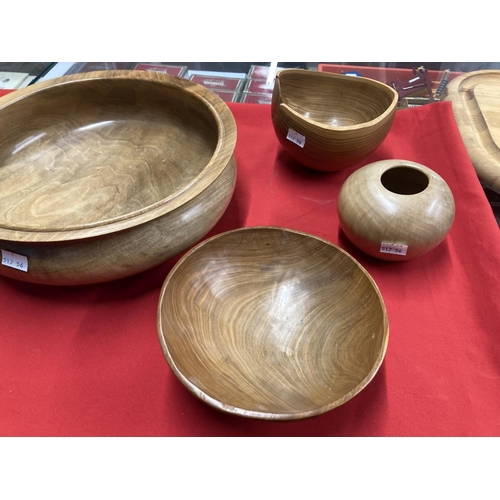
(106, 174)
(271, 323)
(330, 122)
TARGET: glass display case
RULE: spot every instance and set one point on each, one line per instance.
(15, 75)
(249, 82)
(417, 83)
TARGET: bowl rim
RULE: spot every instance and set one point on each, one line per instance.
(336, 76)
(220, 405)
(219, 161)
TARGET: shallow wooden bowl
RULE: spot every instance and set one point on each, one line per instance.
(329, 122)
(271, 323)
(106, 174)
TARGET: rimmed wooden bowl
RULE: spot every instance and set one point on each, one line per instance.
(329, 122)
(270, 323)
(106, 174)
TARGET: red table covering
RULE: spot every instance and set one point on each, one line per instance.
(86, 361)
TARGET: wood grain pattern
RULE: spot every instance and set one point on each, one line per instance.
(342, 118)
(271, 323)
(476, 106)
(396, 202)
(105, 174)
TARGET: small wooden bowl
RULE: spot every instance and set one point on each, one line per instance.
(271, 323)
(106, 174)
(329, 122)
(396, 209)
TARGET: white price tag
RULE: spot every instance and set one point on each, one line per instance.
(394, 248)
(296, 138)
(15, 260)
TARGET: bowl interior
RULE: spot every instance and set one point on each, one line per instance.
(335, 100)
(272, 323)
(91, 151)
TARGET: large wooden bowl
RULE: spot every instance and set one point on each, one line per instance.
(106, 174)
(328, 121)
(271, 323)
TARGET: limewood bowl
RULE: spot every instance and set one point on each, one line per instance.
(106, 174)
(396, 209)
(271, 323)
(330, 122)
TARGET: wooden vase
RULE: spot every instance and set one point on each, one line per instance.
(395, 209)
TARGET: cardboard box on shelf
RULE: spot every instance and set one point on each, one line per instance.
(258, 87)
(250, 98)
(226, 87)
(260, 72)
(227, 96)
(162, 68)
(218, 83)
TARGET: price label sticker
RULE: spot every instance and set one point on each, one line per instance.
(296, 138)
(14, 260)
(394, 248)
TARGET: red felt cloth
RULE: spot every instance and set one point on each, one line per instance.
(86, 361)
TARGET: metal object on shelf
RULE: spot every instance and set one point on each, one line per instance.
(420, 81)
(442, 84)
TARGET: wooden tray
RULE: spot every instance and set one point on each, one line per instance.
(476, 105)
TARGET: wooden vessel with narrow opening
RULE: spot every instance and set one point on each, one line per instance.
(396, 209)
